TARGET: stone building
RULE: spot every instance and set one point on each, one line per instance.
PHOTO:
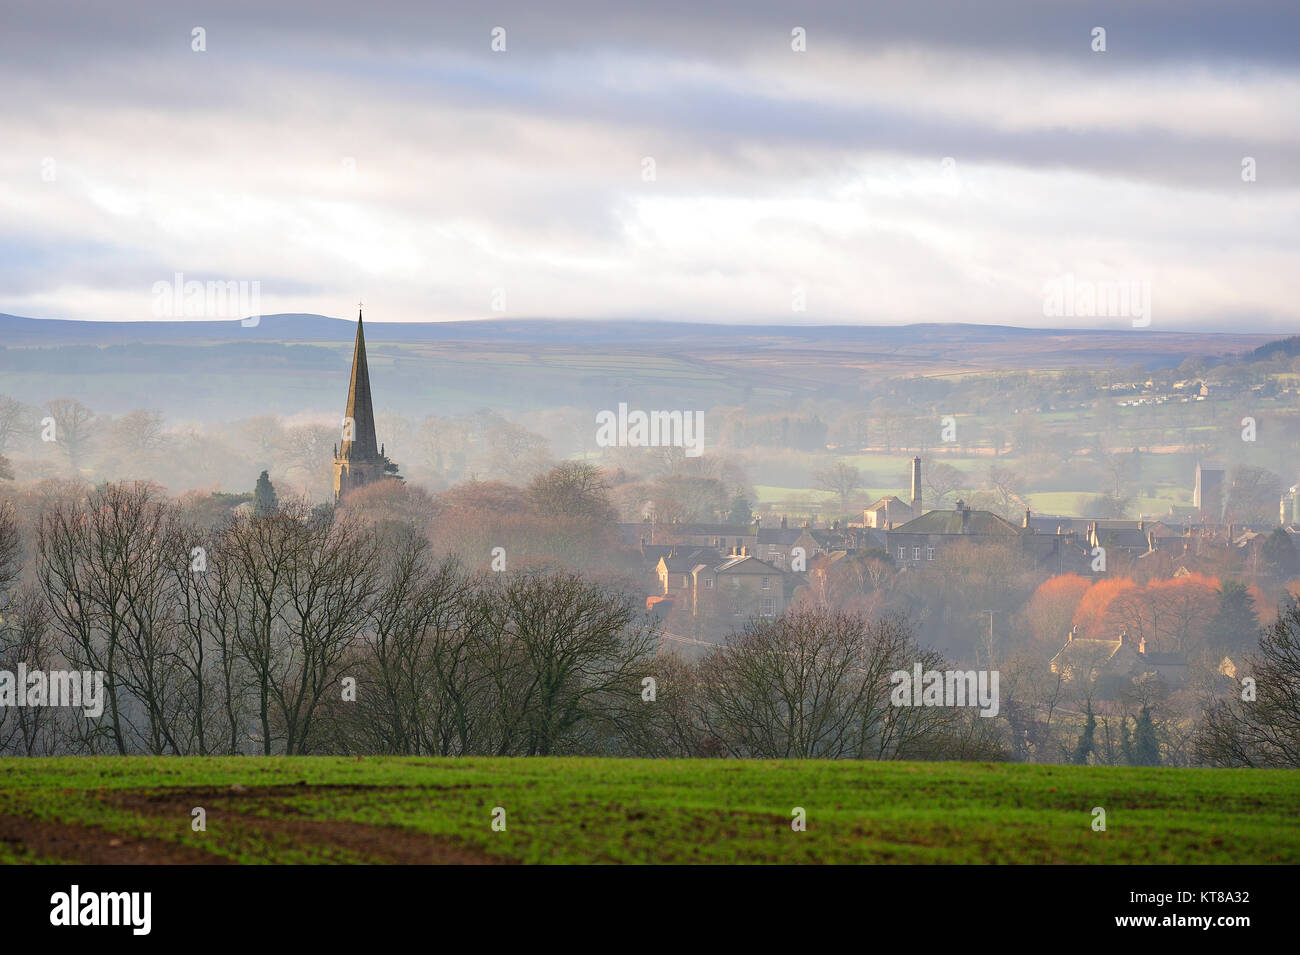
(1207, 491)
(740, 588)
(924, 538)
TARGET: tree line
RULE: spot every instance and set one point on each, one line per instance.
(297, 630)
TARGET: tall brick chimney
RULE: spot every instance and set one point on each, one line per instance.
(916, 486)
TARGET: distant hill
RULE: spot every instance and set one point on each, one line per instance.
(867, 339)
(299, 363)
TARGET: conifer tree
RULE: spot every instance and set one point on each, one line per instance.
(1087, 740)
(1146, 746)
(265, 501)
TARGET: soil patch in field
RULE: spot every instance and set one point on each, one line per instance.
(381, 844)
(94, 846)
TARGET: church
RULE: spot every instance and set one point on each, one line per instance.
(360, 459)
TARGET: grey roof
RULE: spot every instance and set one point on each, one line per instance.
(779, 535)
(684, 561)
(978, 524)
(748, 564)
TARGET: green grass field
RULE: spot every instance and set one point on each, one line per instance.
(340, 810)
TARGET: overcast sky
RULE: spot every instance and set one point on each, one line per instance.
(918, 162)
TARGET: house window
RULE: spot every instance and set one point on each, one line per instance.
(902, 552)
(767, 583)
(735, 606)
(684, 580)
(769, 607)
(916, 553)
(708, 583)
(929, 552)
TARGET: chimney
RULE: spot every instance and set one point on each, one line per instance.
(783, 522)
(744, 551)
(1026, 518)
(965, 519)
(916, 486)
(1151, 541)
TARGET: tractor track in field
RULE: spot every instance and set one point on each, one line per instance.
(241, 807)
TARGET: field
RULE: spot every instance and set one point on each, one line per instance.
(424, 810)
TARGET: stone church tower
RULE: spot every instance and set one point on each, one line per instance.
(359, 459)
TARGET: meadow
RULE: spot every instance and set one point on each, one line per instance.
(562, 810)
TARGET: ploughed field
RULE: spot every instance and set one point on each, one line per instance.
(428, 810)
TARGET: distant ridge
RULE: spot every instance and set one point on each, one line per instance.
(297, 327)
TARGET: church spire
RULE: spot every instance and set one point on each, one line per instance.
(363, 445)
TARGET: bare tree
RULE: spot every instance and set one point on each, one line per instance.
(104, 567)
(11, 416)
(579, 646)
(74, 428)
(941, 480)
(1261, 728)
(816, 684)
(840, 478)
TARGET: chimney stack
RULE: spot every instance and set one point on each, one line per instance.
(916, 486)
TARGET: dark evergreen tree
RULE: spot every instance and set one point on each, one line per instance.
(1145, 744)
(1235, 624)
(1087, 740)
(1279, 550)
(741, 512)
(264, 500)
(1126, 742)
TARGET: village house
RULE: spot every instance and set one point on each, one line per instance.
(921, 540)
(776, 544)
(1113, 664)
(675, 570)
(741, 587)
